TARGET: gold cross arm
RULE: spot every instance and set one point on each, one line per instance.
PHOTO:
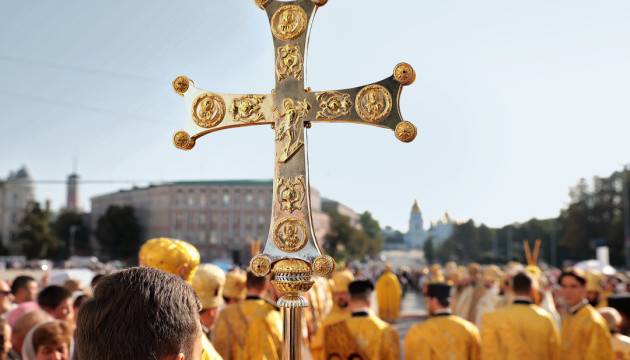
(375, 104)
(209, 112)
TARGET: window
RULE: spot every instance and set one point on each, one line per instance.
(261, 202)
(261, 220)
(202, 219)
(249, 199)
(213, 237)
(191, 200)
(226, 200)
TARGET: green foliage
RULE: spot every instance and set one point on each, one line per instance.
(63, 228)
(35, 236)
(594, 212)
(344, 241)
(373, 232)
(118, 232)
(428, 250)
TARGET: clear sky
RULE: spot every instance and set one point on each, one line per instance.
(514, 100)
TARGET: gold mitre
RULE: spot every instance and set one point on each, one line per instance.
(235, 285)
(593, 281)
(341, 280)
(208, 283)
(474, 269)
(387, 267)
(172, 256)
(491, 273)
(147, 248)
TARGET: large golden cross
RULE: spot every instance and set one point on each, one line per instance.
(292, 252)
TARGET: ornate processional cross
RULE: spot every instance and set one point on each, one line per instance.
(292, 253)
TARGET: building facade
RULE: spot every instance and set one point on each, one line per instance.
(15, 194)
(219, 217)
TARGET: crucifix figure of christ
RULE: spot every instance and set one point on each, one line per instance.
(292, 252)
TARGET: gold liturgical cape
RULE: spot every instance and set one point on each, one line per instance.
(363, 337)
(209, 353)
(585, 336)
(620, 346)
(520, 332)
(388, 294)
(250, 329)
(443, 337)
(336, 315)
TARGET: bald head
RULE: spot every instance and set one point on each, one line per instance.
(25, 323)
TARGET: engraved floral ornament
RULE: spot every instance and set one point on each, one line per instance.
(405, 131)
(181, 139)
(208, 110)
(291, 194)
(374, 103)
(289, 62)
(333, 104)
(323, 265)
(260, 265)
(181, 84)
(247, 108)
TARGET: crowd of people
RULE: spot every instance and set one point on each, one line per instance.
(173, 308)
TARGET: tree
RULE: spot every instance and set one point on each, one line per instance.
(373, 232)
(428, 250)
(35, 236)
(70, 227)
(118, 232)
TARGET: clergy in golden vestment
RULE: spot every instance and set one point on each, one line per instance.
(208, 283)
(444, 335)
(252, 328)
(594, 288)
(492, 297)
(178, 258)
(363, 336)
(585, 335)
(388, 295)
(522, 330)
(620, 343)
(234, 289)
(338, 313)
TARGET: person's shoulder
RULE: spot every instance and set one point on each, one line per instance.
(463, 323)
(590, 313)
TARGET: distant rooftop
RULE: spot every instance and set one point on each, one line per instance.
(244, 182)
(220, 182)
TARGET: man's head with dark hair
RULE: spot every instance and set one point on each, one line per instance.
(573, 283)
(140, 313)
(360, 292)
(438, 297)
(95, 280)
(56, 301)
(522, 284)
(255, 284)
(24, 288)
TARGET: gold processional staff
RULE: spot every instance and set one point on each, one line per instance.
(292, 252)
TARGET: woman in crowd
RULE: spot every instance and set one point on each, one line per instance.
(50, 340)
